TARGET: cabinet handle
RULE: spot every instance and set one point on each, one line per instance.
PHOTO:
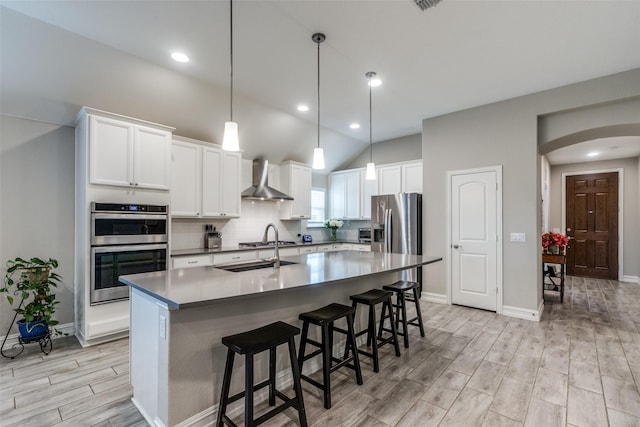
(192, 262)
(136, 184)
(131, 183)
(235, 257)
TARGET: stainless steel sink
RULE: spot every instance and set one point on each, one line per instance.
(251, 265)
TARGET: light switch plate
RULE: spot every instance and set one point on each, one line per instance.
(519, 237)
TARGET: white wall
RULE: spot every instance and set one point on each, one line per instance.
(37, 210)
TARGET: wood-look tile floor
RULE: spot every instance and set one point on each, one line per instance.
(579, 366)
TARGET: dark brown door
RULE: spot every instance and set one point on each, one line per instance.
(592, 221)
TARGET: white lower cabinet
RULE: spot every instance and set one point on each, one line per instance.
(324, 248)
(225, 258)
(364, 248)
(191, 261)
(308, 249)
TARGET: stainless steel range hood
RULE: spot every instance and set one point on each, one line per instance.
(260, 189)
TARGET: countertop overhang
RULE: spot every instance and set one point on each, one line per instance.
(185, 288)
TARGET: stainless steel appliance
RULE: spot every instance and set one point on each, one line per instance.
(125, 239)
(396, 226)
(212, 238)
(364, 235)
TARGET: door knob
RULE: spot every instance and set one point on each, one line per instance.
(457, 247)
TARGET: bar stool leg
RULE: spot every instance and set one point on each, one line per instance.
(272, 376)
(405, 328)
(248, 390)
(418, 311)
(302, 414)
(374, 341)
(351, 342)
(226, 384)
(326, 366)
(303, 344)
(394, 331)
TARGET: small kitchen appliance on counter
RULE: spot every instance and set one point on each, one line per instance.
(306, 238)
(212, 238)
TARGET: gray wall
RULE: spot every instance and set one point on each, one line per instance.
(37, 193)
(504, 133)
(389, 151)
(631, 223)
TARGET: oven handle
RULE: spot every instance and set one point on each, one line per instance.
(129, 216)
(126, 248)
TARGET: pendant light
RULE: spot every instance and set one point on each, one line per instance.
(230, 139)
(371, 167)
(318, 152)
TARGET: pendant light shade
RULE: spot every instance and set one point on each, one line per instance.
(371, 167)
(318, 153)
(318, 158)
(230, 139)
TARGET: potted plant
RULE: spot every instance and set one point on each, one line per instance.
(32, 283)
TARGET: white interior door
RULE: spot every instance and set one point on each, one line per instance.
(474, 220)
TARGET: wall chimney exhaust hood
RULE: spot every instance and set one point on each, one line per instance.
(260, 189)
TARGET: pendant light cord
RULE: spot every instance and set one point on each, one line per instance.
(370, 126)
(231, 58)
(318, 94)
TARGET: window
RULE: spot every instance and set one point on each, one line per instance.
(317, 206)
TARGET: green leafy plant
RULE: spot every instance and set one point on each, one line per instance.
(32, 283)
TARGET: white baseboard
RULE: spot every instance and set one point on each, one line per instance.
(630, 279)
(67, 329)
(431, 297)
(523, 313)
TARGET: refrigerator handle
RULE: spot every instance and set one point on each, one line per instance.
(387, 230)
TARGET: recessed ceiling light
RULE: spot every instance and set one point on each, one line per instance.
(593, 154)
(179, 57)
(303, 107)
(375, 82)
(354, 125)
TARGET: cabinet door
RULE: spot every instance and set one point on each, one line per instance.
(389, 180)
(301, 189)
(412, 177)
(369, 188)
(152, 157)
(185, 180)
(230, 191)
(211, 183)
(337, 195)
(110, 152)
(352, 195)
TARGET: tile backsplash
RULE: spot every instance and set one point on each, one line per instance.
(188, 233)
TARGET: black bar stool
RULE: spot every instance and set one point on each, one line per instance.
(400, 288)
(325, 318)
(250, 343)
(372, 298)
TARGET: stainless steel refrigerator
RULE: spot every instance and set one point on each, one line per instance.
(396, 226)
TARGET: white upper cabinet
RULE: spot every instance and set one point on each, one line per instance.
(127, 154)
(389, 179)
(205, 181)
(186, 179)
(295, 180)
(350, 193)
(346, 194)
(412, 177)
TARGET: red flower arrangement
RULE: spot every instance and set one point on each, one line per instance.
(551, 239)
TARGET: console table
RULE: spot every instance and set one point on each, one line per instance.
(560, 259)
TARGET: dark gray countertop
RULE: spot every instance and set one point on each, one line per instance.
(191, 287)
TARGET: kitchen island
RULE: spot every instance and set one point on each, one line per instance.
(178, 318)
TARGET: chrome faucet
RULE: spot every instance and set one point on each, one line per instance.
(276, 253)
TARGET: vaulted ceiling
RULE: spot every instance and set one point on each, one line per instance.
(114, 55)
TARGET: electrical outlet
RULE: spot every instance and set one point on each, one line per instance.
(519, 237)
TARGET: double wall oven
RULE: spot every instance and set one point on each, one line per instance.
(125, 239)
